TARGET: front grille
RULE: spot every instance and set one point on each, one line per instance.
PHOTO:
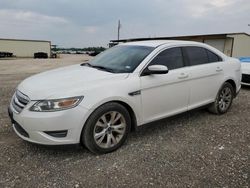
(19, 101)
(245, 78)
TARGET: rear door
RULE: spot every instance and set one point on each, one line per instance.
(206, 75)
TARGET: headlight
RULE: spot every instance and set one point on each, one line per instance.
(56, 104)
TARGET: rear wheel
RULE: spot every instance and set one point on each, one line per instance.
(107, 128)
(223, 100)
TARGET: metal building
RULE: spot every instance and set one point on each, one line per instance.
(25, 48)
(231, 44)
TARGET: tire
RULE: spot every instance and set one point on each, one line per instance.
(107, 128)
(223, 99)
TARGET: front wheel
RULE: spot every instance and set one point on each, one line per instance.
(107, 128)
(223, 100)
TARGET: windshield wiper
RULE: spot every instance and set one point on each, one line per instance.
(88, 64)
(103, 68)
(98, 67)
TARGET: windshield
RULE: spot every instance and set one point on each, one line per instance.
(121, 59)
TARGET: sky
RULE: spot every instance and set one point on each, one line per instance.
(85, 23)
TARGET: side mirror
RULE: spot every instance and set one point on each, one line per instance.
(155, 69)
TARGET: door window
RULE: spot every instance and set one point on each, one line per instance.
(172, 58)
(196, 55)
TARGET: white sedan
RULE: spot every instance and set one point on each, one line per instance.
(99, 102)
(245, 66)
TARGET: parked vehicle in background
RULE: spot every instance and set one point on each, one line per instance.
(99, 102)
(94, 53)
(41, 55)
(245, 66)
(53, 55)
(5, 54)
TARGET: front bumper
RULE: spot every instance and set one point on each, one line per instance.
(40, 127)
(245, 79)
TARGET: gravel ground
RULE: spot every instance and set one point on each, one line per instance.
(195, 149)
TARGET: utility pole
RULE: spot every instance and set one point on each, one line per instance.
(119, 27)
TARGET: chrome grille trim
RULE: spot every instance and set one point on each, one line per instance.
(19, 101)
(22, 97)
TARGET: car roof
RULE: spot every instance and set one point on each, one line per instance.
(156, 43)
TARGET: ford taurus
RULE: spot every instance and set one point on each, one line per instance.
(98, 102)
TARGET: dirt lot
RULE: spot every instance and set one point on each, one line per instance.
(195, 149)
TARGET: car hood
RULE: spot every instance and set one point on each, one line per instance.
(245, 67)
(65, 82)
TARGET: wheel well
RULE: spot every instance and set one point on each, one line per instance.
(131, 113)
(233, 84)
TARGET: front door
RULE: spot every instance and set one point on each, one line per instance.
(164, 95)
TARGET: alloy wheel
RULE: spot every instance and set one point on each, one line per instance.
(225, 99)
(109, 129)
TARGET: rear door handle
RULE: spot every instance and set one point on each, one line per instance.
(183, 76)
(218, 69)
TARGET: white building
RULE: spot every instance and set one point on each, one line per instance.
(231, 44)
(25, 48)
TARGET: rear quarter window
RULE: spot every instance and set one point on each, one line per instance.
(212, 57)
